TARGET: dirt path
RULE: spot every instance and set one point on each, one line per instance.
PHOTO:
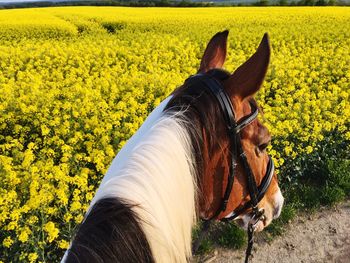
(321, 237)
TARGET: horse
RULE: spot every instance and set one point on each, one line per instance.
(201, 154)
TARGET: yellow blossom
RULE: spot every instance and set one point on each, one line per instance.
(63, 244)
(73, 93)
(51, 230)
(24, 234)
(32, 257)
(7, 242)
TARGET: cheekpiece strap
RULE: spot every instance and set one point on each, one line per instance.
(262, 188)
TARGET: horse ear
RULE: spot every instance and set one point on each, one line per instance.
(247, 79)
(215, 53)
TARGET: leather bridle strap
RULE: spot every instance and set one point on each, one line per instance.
(245, 121)
(261, 192)
(256, 193)
(216, 89)
(210, 82)
(234, 133)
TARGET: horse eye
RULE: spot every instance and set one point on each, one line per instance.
(263, 146)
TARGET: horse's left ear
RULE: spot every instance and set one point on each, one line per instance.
(215, 53)
(247, 79)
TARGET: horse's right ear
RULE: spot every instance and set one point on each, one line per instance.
(215, 53)
(247, 79)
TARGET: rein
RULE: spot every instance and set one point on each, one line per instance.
(211, 81)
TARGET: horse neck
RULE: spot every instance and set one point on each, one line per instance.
(155, 172)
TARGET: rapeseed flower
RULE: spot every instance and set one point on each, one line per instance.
(73, 92)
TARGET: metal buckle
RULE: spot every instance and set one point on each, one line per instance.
(256, 218)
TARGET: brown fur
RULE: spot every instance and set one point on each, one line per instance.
(212, 145)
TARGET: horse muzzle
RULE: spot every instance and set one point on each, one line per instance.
(271, 210)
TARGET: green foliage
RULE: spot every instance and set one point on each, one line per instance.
(339, 175)
(332, 195)
(321, 177)
(262, 3)
(113, 27)
(231, 236)
(333, 2)
(133, 3)
(206, 246)
(277, 226)
(172, 3)
(221, 234)
(283, 2)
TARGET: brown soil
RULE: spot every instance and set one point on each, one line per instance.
(323, 236)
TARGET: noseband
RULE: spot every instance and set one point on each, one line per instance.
(211, 81)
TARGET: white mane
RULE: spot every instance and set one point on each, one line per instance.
(154, 171)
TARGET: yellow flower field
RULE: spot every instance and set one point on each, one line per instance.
(77, 82)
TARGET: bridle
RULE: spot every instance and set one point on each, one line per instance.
(211, 81)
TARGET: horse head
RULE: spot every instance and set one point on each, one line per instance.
(221, 173)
